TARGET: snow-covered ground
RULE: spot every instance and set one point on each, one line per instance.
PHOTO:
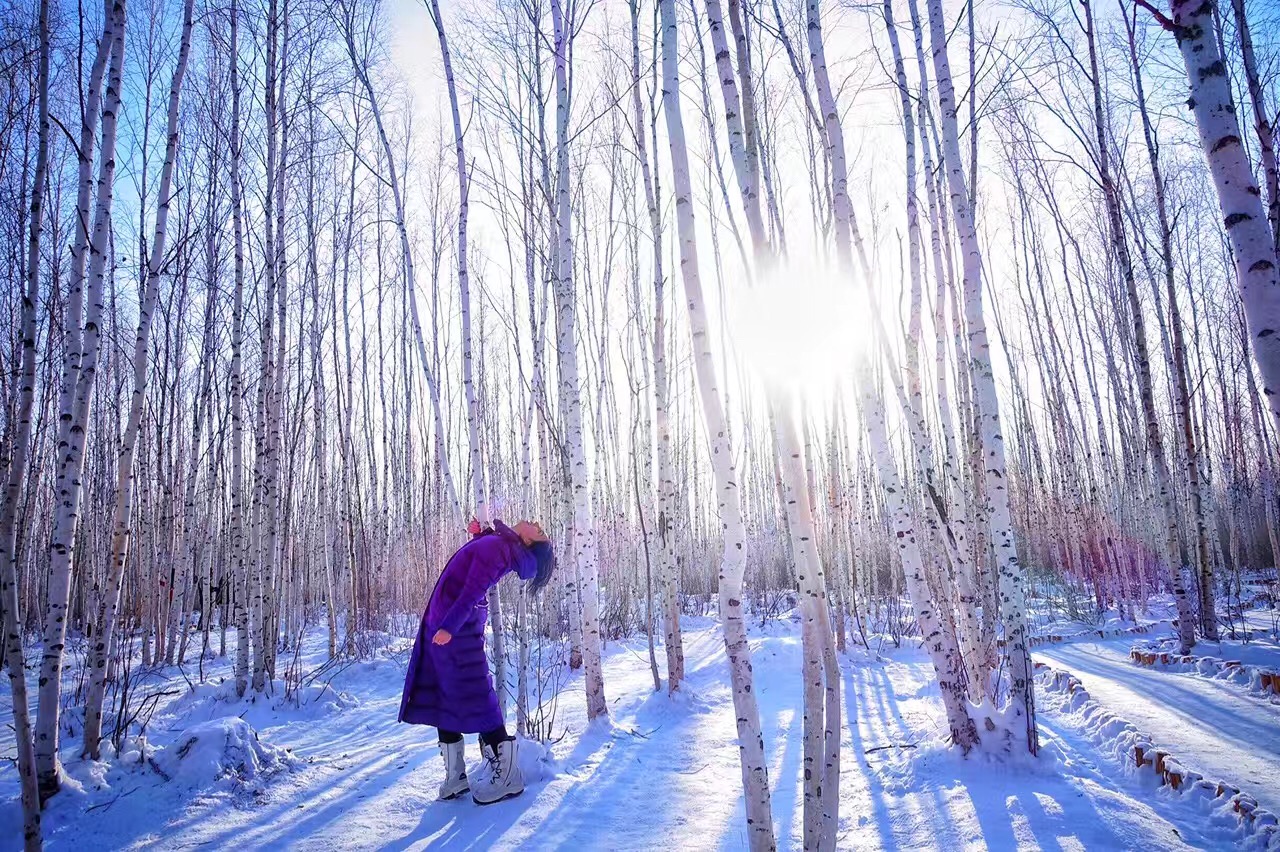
(338, 772)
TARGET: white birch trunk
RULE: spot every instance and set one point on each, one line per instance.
(1146, 391)
(1011, 580)
(257, 561)
(77, 417)
(319, 405)
(72, 431)
(190, 539)
(673, 641)
(821, 726)
(833, 137)
(121, 529)
(1253, 245)
(584, 536)
(938, 643)
(755, 771)
(236, 581)
(1262, 124)
(748, 179)
(480, 506)
(273, 553)
(949, 527)
(70, 448)
(11, 621)
(1178, 366)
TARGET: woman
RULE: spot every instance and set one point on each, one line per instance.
(448, 683)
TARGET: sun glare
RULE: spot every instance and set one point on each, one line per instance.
(801, 329)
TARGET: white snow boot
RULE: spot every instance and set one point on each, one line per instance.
(455, 771)
(505, 778)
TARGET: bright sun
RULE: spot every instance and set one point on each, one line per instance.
(801, 329)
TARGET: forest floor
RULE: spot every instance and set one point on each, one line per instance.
(662, 773)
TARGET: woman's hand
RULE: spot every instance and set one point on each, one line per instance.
(442, 637)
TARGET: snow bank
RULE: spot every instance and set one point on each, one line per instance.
(1002, 733)
(1253, 827)
(1261, 682)
(273, 705)
(1106, 633)
(223, 750)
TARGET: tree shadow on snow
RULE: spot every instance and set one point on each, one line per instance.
(930, 797)
(462, 824)
(289, 822)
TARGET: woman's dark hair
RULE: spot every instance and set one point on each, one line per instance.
(545, 556)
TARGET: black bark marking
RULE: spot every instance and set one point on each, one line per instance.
(1216, 69)
(1230, 139)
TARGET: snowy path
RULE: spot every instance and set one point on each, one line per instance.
(664, 776)
(1213, 727)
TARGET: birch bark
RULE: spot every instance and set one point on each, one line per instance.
(11, 621)
(1178, 363)
(949, 527)
(121, 529)
(190, 539)
(748, 180)
(820, 670)
(1011, 577)
(939, 643)
(1253, 244)
(72, 432)
(584, 534)
(755, 771)
(673, 641)
(478, 498)
(237, 582)
(76, 418)
(1262, 124)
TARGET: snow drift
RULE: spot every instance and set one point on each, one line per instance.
(220, 751)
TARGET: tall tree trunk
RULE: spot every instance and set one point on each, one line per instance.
(76, 418)
(203, 398)
(946, 526)
(1012, 581)
(1182, 392)
(236, 582)
(584, 534)
(121, 529)
(11, 621)
(938, 641)
(480, 505)
(673, 640)
(1253, 243)
(755, 771)
(1261, 121)
(319, 406)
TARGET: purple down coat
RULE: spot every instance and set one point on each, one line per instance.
(449, 686)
